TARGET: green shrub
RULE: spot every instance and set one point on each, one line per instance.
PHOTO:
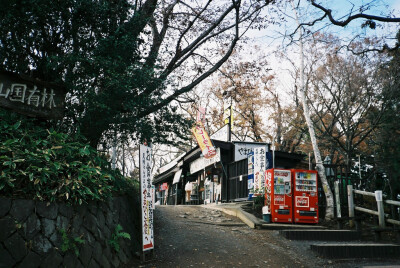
(114, 241)
(69, 243)
(258, 202)
(40, 163)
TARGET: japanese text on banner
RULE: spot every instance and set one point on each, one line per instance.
(146, 197)
(204, 141)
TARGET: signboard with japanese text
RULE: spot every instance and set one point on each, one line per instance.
(259, 168)
(31, 97)
(145, 156)
(204, 141)
(243, 149)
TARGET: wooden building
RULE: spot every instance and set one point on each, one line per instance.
(192, 179)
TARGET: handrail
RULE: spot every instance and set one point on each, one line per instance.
(366, 193)
(379, 201)
(392, 202)
(369, 211)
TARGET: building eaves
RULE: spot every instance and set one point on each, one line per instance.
(165, 175)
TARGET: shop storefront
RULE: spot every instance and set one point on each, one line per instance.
(193, 179)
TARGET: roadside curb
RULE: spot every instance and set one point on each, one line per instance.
(244, 216)
(254, 222)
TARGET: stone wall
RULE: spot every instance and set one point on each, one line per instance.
(30, 233)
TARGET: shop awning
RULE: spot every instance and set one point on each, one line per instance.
(177, 176)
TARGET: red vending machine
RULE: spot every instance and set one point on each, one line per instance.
(305, 196)
(278, 194)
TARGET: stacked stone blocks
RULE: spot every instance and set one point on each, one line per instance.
(30, 233)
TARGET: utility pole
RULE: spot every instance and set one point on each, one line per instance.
(229, 120)
(230, 123)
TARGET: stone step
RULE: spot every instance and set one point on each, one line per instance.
(326, 235)
(357, 250)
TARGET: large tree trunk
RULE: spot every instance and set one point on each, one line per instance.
(329, 213)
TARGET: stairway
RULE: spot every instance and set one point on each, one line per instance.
(325, 235)
(357, 250)
(342, 244)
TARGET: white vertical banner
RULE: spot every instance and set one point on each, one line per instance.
(263, 166)
(147, 198)
(259, 168)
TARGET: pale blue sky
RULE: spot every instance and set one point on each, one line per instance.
(378, 7)
(340, 9)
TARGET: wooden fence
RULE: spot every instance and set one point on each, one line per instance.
(380, 202)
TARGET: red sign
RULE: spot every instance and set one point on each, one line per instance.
(148, 246)
(302, 201)
(164, 186)
(279, 199)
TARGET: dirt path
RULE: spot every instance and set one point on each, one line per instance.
(192, 236)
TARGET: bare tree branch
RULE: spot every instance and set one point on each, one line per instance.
(328, 13)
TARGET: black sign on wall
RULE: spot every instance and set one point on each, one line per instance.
(31, 97)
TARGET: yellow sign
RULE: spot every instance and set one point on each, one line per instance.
(228, 115)
(203, 140)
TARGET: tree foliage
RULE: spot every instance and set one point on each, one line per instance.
(385, 141)
(345, 96)
(40, 163)
(122, 61)
(242, 83)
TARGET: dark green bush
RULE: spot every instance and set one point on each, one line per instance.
(40, 163)
(258, 202)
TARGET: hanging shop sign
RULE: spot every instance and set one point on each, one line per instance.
(177, 176)
(243, 149)
(204, 141)
(228, 115)
(221, 134)
(31, 97)
(202, 162)
(147, 199)
(201, 115)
